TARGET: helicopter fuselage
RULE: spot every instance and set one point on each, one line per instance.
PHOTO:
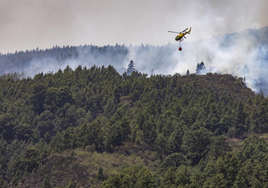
(179, 36)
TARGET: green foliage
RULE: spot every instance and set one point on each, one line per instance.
(46, 183)
(187, 122)
(197, 144)
(139, 177)
(173, 160)
(100, 173)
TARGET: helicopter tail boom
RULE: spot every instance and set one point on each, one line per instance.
(188, 32)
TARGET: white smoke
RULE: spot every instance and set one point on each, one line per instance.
(243, 54)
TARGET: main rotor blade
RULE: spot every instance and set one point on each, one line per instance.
(184, 29)
(174, 32)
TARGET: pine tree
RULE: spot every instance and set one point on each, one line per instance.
(145, 179)
(46, 183)
(100, 173)
(200, 68)
(240, 180)
(188, 72)
(131, 68)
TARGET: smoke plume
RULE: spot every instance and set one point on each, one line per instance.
(44, 23)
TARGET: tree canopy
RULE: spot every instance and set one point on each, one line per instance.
(189, 122)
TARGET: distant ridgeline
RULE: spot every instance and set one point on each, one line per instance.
(90, 55)
(148, 57)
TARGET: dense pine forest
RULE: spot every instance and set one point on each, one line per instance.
(92, 127)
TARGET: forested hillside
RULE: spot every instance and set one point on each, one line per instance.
(94, 127)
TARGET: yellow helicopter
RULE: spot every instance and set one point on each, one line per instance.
(181, 35)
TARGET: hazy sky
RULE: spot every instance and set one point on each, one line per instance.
(27, 24)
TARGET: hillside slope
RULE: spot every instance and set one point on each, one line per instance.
(52, 126)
